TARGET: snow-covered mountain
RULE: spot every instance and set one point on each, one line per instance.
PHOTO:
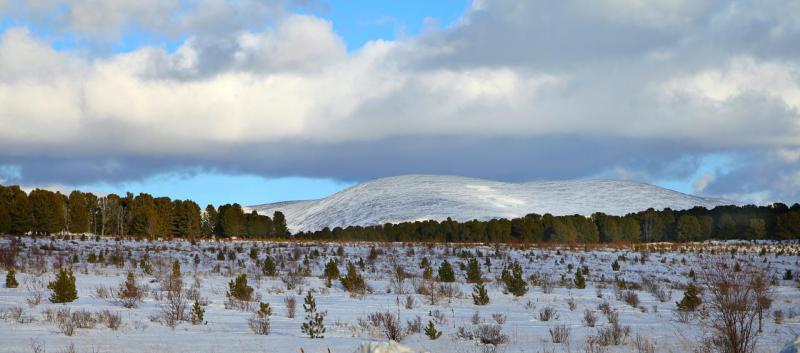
(421, 197)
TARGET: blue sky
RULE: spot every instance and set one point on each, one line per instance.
(257, 101)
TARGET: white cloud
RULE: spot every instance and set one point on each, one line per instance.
(685, 72)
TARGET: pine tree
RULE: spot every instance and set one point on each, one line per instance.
(269, 267)
(129, 293)
(615, 265)
(238, 289)
(474, 271)
(513, 280)
(480, 296)
(353, 282)
(78, 214)
(314, 326)
(279, 225)
(446, 273)
(691, 299)
(580, 282)
(259, 323)
(11, 278)
(431, 331)
(198, 314)
(63, 287)
(331, 272)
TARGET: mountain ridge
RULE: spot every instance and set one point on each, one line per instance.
(421, 197)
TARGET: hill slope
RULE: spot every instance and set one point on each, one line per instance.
(420, 197)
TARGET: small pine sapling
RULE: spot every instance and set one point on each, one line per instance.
(198, 314)
(314, 326)
(63, 287)
(431, 331)
(11, 278)
(480, 296)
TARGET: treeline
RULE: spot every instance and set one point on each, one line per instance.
(776, 221)
(45, 212)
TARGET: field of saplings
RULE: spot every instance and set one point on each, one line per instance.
(73, 294)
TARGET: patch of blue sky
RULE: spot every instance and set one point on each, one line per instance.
(361, 21)
(712, 164)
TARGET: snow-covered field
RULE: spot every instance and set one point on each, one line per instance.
(24, 327)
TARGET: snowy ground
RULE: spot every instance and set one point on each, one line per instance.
(227, 330)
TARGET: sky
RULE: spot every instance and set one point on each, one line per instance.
(257, 101)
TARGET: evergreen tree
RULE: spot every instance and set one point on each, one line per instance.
(615, 265)
(239, 289)
(726, 227)
(631, 231)
(353, 281)
(691, 299)
(474, 271)
(446, 273)
(63, 287)
(688, 228)
(512, 278)
(11, 278)
(431, 331)
(480, 296)
(78, 213)
(198, 314)
(260, 322)
(757, 229)
(331, 272)
(580, 282)
(209, 221)
(268, 269)
(314, 325)
(19, 210)
(279, 225)
(129, 292)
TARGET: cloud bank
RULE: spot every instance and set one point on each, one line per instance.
(516, 90)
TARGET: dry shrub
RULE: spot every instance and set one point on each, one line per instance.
(593, 345)
(547, 313)
(631, 298)
(644, 345)
(293, 279)
(111, 320)
(589, 318)
(84, 319)
(14, 313)
(613, 335)
(560, 334)
(449, 290)
(414, 326)
(490, 334)
(291, 306)
(499, 318)
(36, 288)
(734, 302)
(383, 324)
(64, 322)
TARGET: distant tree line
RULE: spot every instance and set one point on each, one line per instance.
(777, 221)
(45, 212)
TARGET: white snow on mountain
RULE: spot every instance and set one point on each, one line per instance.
(422, 197)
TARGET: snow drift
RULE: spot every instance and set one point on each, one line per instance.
(422, 197)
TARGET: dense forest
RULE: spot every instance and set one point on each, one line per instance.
(46, 212)
(776, 221)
